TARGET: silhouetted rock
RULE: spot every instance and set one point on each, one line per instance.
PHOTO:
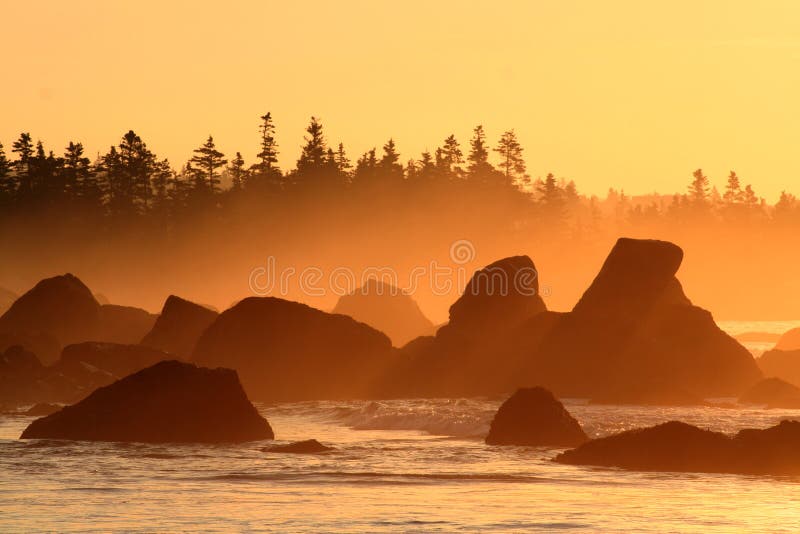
(20, 370)
(84, 367)
(62, 307)
(388, 309)
(635, 329)
(790, 340)
(773, 393)
(309, 446)
(677, 446)
(784, 364)
(169, 402)
(101, 299)
(493, 327)
(285, 350)
(532, 416)
(179, 326)
(124, 324)
(60, 311)
(42, 409)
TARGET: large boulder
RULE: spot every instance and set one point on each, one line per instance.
(388, 309)
(60, 311)
(783, 364)
(679, 447)
(790, 340)
(288, 351)
(170, 402)
(533, 416)
(493, 328)
(62, 307)
(179, 326)
(772, 393)
(635, 328)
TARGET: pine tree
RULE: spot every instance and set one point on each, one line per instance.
(733, 190)
(237, 172)
(449, 157)
(512, 163)
(389, 163)
(268, 155)
(23, 147)
(478, 157)
(208, 159)
(7, 187)
(76, 170)
(699, 188)
(342, 162)
(312, 158)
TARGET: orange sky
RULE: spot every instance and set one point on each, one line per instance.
(623, 93)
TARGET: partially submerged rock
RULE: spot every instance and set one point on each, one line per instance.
(20, 369)
(169, 402)
(179, 326)
(388, 309)
(533, 416)
(309, 446)
(680, 447)
(772, 393)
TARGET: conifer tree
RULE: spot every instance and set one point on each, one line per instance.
(512, 163)
(478, 157)
(208, 160)
(237, 172)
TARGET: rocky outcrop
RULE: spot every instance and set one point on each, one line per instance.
(772, 393)
(677, 446)
(790, 340)
(287, 351)
(635, 329)
(60, 311)
(170, 402)
(784, 364)
(532, 416)
(309, 446)
(493, 330)
(179, 326)
(61, 307)
(388, 309)
(43, 408)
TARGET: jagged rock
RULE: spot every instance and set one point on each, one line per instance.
(532, 416)
(388, 309)
(773, 393)
(285, 350)
(171, 401)
(677, 446)
(784, 364)
(309, 446)
(7, 298)
(179, 326)
(635, 328)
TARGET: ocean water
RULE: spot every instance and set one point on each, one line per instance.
(406, 465)
(412, 465)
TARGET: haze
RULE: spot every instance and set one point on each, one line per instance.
(620, 93)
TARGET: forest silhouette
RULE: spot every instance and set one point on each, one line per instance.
(139, 227)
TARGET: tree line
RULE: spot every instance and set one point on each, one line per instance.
(130, 184)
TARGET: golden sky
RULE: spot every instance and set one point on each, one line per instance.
(634, 94)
